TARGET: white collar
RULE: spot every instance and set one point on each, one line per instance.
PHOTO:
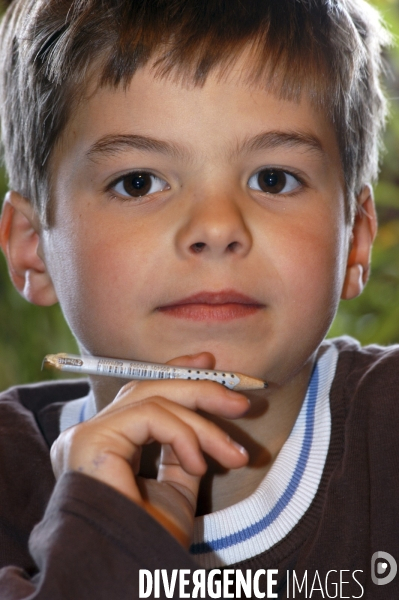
(257, 523)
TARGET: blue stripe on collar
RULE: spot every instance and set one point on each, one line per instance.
(252, 530)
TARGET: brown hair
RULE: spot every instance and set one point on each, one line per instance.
(328, 49)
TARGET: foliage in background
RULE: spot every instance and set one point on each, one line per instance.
(29, 332)
(374, 316)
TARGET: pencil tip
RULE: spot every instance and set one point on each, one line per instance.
(265, 384)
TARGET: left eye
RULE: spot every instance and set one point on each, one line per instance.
(138, 184)
(273, 181)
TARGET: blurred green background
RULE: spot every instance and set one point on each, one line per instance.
(29, 332)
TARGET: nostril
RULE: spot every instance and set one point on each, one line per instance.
(198, 247)
(233, 246)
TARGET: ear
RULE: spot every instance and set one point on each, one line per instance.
(362, 237)
(20, 241)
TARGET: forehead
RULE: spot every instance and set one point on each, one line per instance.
(226, 111)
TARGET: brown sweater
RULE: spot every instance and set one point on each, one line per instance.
(92, 541)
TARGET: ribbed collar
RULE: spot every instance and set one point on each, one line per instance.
(254, 525)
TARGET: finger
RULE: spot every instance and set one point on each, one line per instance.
(194, 395)
(212, 440)
(170, 472)
(115, 448)
(205, 395)
(203, 360)
(167, 422)
(218, 445)
(135, 461)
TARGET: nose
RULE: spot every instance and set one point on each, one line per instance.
(215, 226)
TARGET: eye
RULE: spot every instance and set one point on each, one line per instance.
(137, 184)
(273, 181)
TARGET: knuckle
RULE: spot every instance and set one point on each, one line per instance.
(153, 402)
(75, 436)
(54, 451)
(136, 390)
(128, 388)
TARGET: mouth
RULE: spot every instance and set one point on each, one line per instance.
(212, 306)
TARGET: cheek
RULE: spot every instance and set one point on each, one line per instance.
(107, 272)
(312, 265)
(110, 274)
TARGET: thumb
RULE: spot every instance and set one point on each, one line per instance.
(170, 470)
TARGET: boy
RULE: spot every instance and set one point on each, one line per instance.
(191, 182)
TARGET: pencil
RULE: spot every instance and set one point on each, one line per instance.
(128, 369)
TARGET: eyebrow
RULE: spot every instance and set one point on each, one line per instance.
(114, 144)
(279, 139)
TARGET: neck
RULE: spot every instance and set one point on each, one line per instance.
(263, 432)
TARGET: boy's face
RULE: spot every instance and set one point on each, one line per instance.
(239, 245)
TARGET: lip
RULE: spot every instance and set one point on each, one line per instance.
(223, 305)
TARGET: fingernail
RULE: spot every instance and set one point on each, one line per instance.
(240, 448)
(237, 396)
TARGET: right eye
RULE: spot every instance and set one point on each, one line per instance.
(137, 184)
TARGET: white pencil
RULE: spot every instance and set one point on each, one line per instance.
(128, 369)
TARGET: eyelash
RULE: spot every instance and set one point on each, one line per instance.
(289, 178)
(135, 175)
(270, 172)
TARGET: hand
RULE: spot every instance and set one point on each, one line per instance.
(108, 446)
